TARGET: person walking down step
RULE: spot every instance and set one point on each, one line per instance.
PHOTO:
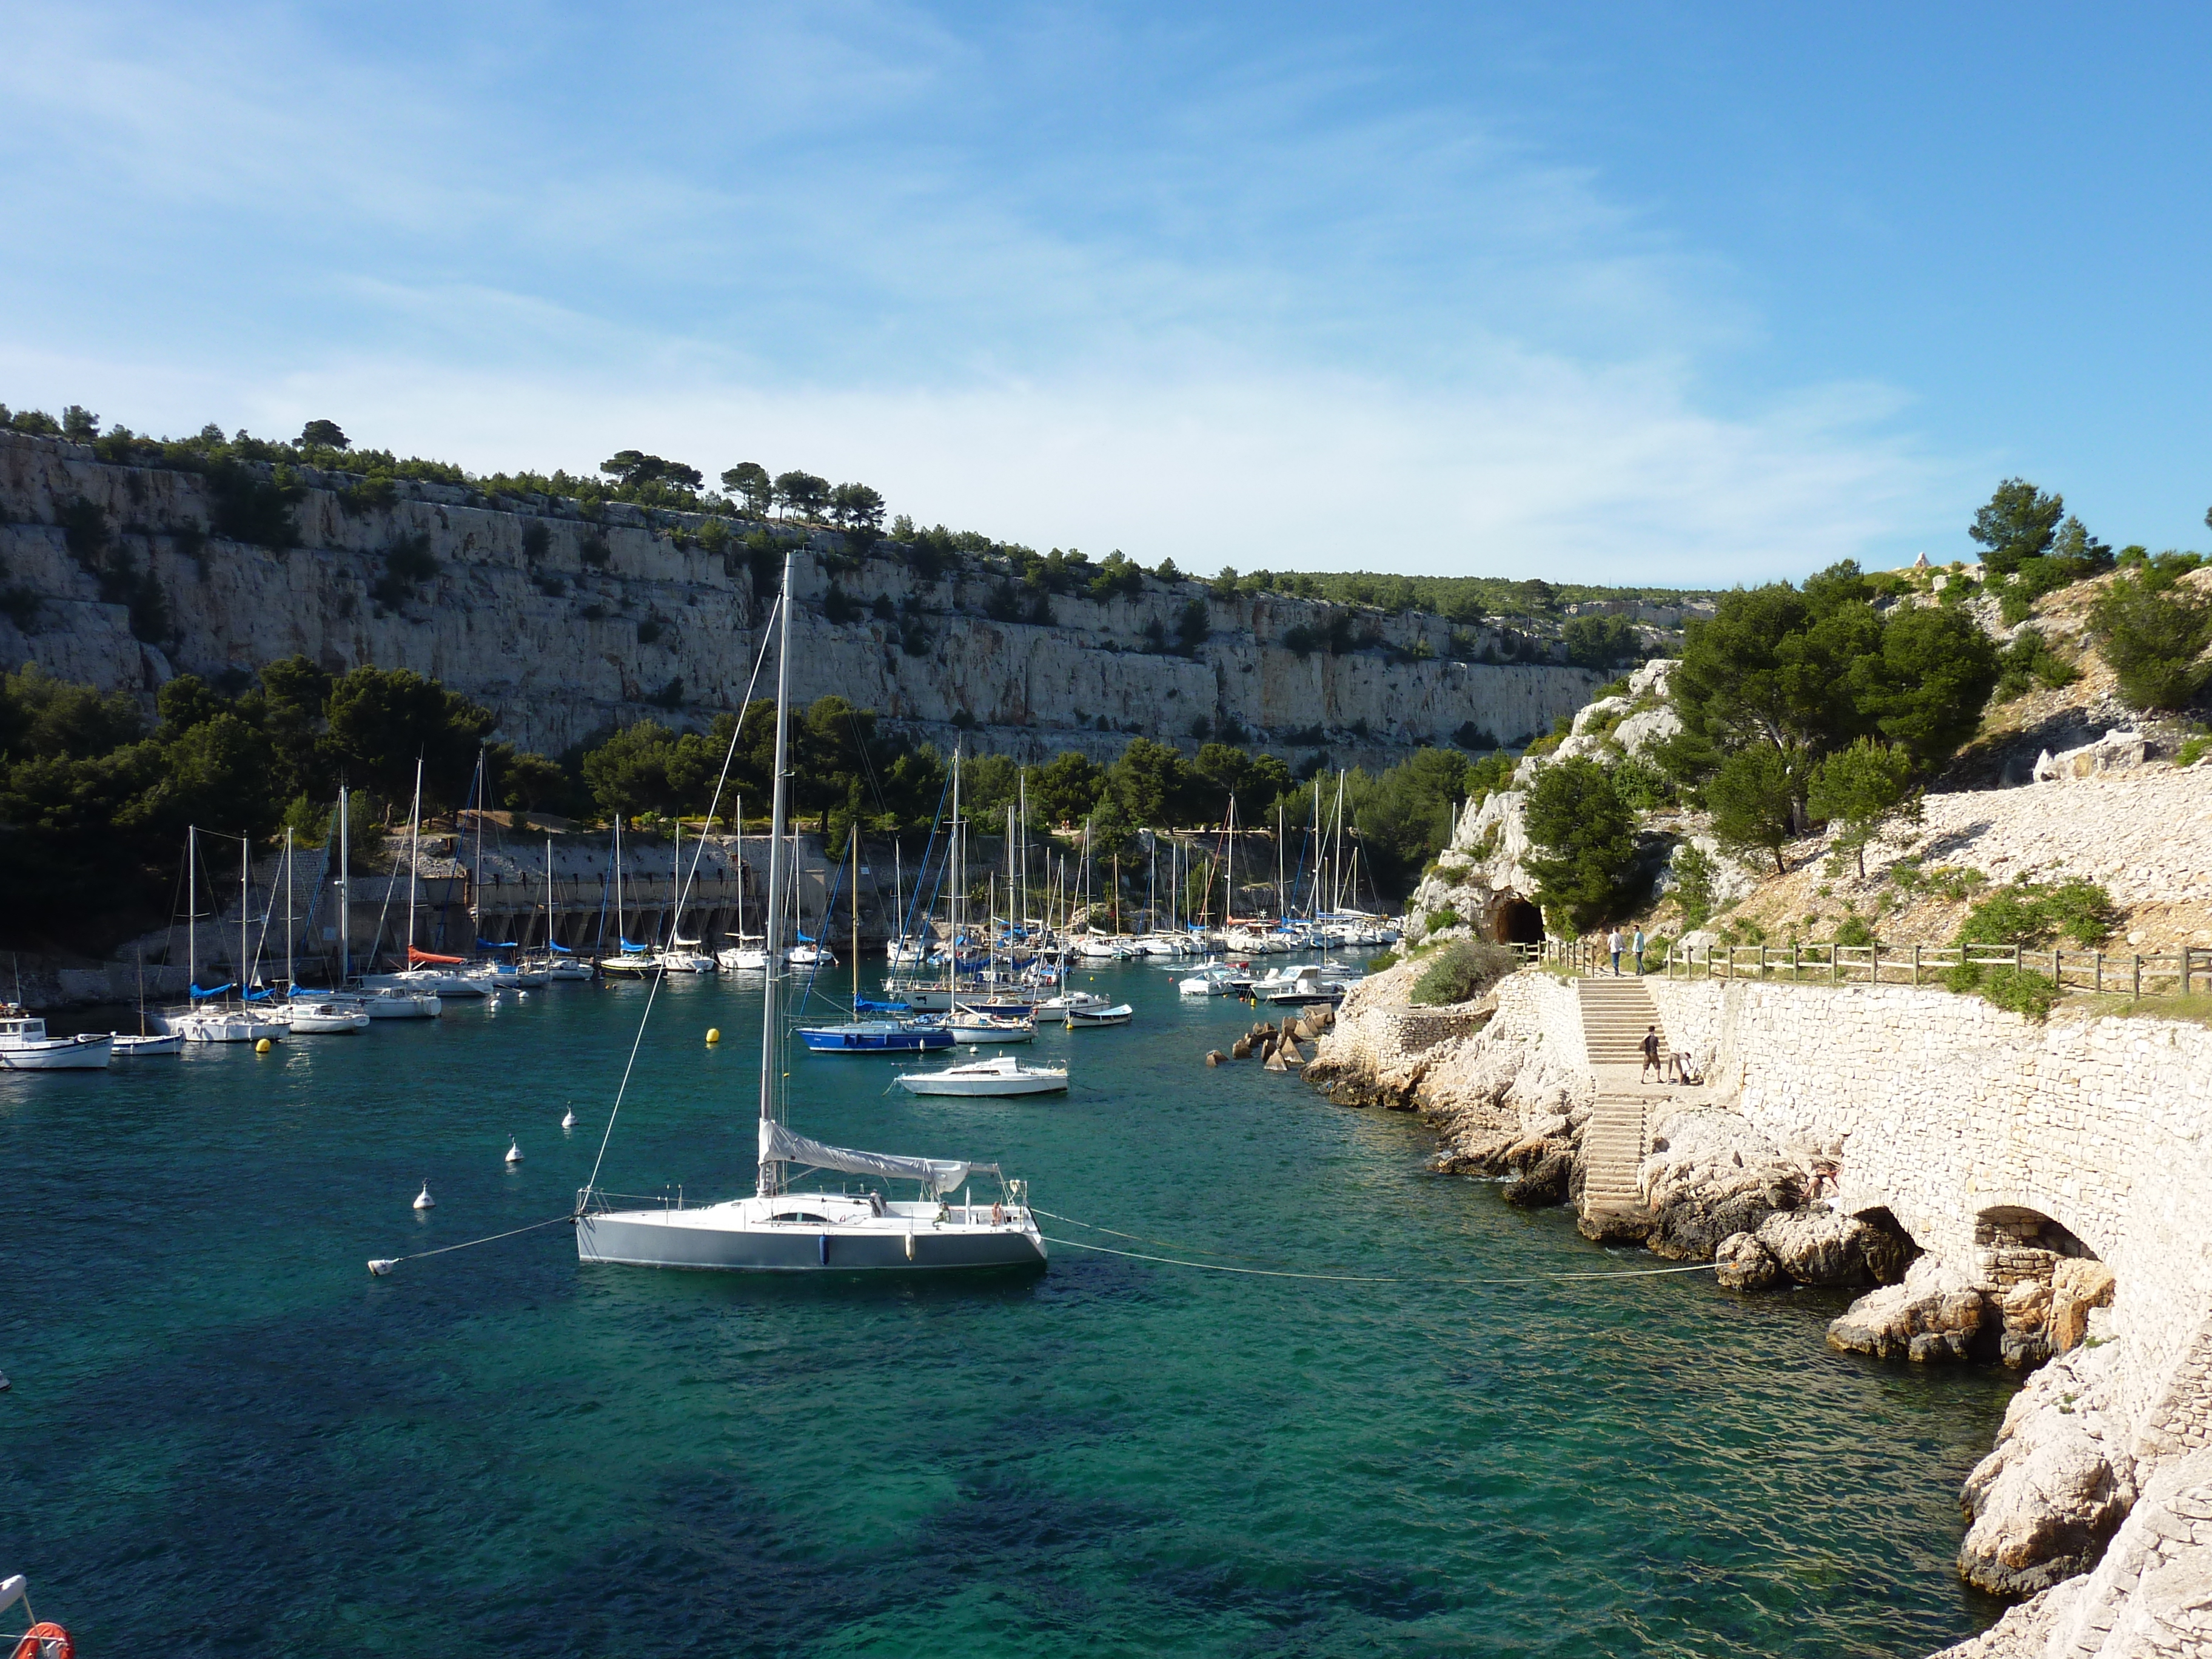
(1651, 1060)
(1612, 944)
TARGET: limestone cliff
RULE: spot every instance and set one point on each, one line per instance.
(565, 624)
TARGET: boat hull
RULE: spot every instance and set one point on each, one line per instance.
(833, 1042)
(86, 1053)
(668, 1239)
(977, 1088)
(148, 1047)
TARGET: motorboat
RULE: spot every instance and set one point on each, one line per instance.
(390, 1002)
(146, 1048)
(1120, 1013)
(684, 957)
(976, 1025)
(1211, 982)
(811, 956)
(1068, 1001)
(243, 1025)
(323, 1015)
(1308, 982)
(1004, 1075)
(777, 1230)
(25, 1045)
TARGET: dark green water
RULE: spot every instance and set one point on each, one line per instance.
(224, 1437)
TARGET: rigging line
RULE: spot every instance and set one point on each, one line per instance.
(1376, 1279)
(1141, 1238)
(654, 995)
(569, 1216)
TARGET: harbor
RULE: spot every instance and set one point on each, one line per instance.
(1117, 1455)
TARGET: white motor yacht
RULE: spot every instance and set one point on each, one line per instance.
(25, 1045)
(325, 1015)
(1004, 1075)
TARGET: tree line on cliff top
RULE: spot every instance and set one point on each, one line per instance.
(94, 799)
(1834, 703)
(252, 506)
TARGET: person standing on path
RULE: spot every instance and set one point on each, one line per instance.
(1651, 1062)
(1639, 950)
(1612, 944)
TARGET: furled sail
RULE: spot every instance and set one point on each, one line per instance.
(779, 1145)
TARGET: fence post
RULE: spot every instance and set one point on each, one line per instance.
(1793, 964)
(2015, 958)
(1916, 964)
(2186, 951)
(2097, 968)
(2138, 978)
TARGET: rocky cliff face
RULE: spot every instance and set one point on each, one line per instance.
(566, 625)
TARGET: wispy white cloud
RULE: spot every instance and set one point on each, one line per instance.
(1066, 277)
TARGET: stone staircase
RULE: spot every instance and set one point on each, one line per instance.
(1615, 1013)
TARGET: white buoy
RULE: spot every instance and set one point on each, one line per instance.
(524, 995)
(569, 1118)
(424, 1200)
(381, 1267)
(513, 1153)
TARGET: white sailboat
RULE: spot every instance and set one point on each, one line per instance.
(218, 1024)
(632, 960)
(426, 972)
(683, 955)
(746, 956)
(780, 1230)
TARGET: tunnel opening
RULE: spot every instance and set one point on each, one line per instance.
(2041, 1280)
(1513, 920)
(1893, 1250)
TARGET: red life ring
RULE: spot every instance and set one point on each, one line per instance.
(44, 1640)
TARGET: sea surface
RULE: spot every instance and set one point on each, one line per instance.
(225, 1437)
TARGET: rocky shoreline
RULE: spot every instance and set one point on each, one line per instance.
(1505, 1085)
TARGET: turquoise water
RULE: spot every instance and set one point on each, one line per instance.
(224, 1437)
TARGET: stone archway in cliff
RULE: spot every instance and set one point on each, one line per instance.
(2042, 1279)
(1512, 919)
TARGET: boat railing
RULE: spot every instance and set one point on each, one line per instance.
(595, 1199)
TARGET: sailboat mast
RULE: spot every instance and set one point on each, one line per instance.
(771, 1170)
(414, 862)
(549, 896)
(288, 910)
(622, 934)
(192, 905)
(245, 903)
(854, 834)
(739, 820)
(959, 876)
(346, 894)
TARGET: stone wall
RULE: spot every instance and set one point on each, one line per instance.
(1949, 1109)
(552, 643)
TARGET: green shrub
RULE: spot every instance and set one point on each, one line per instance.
(1694, 871)
(2018, 990)
(2192, 750)
(1462, 971)
(1440, 920)
(2028, 662)
(2032, 913)
(1853, 929)
(2152, 633)
(536, 538)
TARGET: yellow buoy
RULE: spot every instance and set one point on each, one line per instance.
(714, 1034)
(261, 1047)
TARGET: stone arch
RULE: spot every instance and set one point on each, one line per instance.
(1512, 919)
(1887, 1259)
(2024, 1261)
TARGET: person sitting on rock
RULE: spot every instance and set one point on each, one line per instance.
(1651, 1060)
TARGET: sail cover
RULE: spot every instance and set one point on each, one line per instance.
(779, 1145)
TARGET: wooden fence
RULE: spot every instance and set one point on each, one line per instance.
(2136, 973)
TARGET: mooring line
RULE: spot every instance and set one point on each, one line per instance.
(1378, 1278)
(382, 1266)
(1141, 1238)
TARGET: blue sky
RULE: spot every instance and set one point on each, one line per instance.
(1624, 293)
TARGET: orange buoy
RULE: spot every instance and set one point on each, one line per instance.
(45, 1640)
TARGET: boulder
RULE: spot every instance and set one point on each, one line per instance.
(1710, 1175)
(1616, 1226)
(2024, 1341)
(2045, 1501)
(1745, 1264)
(1241, 1049)
(1825, 1246)
(1214, 1056)
(2151, 1594)
(1933, 1316)
(2076, 1286)
(1274, 1061)
(1542, 1184)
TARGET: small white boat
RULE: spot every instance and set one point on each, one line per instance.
(326, 1016)
(811, 956)
(25, 1045)
(566, 969)
(224, 1025)
(147, 1048)
(1119, 1014)
(1215, 981)
(684, 959)
(1068, 1001)
(387, 1002)
(1003, 1076)
(742, 959)
(977, 1026)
